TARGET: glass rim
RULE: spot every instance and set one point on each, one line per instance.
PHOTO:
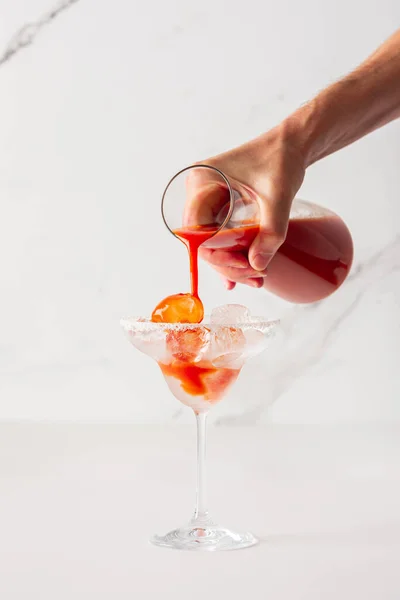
(142, 324)
(189, 168)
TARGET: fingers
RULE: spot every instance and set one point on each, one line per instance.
(224, 257)
(240, 275)
(231, 276)
(256, 282)
(230, 285)
(274, 217)
(234, 266)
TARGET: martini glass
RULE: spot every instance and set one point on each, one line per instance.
(200, 362)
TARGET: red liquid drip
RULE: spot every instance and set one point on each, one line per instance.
(193, 238)
(186, 308)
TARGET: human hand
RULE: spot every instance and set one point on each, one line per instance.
(273, 168)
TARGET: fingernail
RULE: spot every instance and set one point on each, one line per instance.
(255, 283)
(228, 284)
(260, 261)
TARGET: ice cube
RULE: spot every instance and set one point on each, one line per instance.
(227, 347)
(150, 342)
(188, 345)
(256, 342)
(229, 314)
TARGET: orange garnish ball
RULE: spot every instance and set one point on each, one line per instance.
(179, 308)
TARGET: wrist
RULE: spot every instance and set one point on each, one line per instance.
(285, 139)
(300, 132)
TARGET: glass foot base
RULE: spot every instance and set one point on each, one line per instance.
(210, 538)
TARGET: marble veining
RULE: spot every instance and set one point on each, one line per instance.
(27, 34)
(95, 123)
(304, 341)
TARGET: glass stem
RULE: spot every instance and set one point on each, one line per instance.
(201, 513)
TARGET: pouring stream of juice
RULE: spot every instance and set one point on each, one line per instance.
(311, 264)
(181, 308)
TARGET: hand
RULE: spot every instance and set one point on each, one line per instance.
(274, 169)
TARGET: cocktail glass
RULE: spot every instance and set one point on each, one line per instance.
(200, 362)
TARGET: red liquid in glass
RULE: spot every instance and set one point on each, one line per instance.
(201, 379)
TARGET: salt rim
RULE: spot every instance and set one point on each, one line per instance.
(142, 325)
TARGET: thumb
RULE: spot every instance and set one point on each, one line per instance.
(273, 226)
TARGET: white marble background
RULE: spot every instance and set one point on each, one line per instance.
(105, 104)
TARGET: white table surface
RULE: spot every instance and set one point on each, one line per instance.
(78, 503)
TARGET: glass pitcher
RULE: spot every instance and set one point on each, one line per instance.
(312, 262)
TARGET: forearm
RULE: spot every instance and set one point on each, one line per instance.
(366, 99)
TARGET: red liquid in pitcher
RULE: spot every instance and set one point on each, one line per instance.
(313, 261)
(311, 264)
